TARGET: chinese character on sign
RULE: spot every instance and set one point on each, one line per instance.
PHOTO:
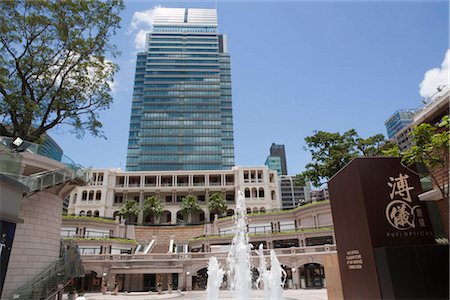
(400, 187)
(401, 216)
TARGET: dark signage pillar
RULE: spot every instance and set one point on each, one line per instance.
(383, 233)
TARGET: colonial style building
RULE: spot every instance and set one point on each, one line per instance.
(136, 257)
(110, 188)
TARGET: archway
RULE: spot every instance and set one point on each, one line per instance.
(200, 280)
(312, 275)
(132, 219)
(166, 217)
(149, 219)
(181, 218)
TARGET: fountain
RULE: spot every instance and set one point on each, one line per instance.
(215, 278)
(239, 266)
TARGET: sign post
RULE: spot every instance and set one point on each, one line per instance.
(380, 225)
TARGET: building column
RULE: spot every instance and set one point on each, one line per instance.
(140, 218)
(296, 278)
(182, 281)
(189, 281)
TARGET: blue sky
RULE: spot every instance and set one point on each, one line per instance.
(296, 67)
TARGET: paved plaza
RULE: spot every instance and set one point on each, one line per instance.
(310, 294)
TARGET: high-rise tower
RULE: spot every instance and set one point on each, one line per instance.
(181, 115)
(279, 151)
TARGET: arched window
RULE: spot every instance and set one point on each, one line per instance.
(247, 193)
(84, 196)
(273, 195)
(89, 213)
(91, 195)
(261, 193)
(96, 213)
(82, 213)
(115, 214)
(262, 209)
(255, 210)
(98, 195)
(249, 210)
(254, 193)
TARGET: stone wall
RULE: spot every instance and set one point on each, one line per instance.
(37, 240)
(163, 234)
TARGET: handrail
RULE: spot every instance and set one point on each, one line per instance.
(308, 250)
(53, 177)
(60, 271)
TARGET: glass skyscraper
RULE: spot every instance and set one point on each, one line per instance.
(181, 115)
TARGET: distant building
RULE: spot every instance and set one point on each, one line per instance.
(274, 163)
(278, 150)
(292, 194)
(49, 148)
(399, 120)
(320, 195)
(432, 112)
(277, 159)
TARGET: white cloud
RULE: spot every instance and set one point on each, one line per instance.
(435, 77)
(141, 24)
(139, 40)
(113, 85)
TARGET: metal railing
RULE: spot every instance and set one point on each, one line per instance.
(45, 285)
(205, 255)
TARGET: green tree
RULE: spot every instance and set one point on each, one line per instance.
(430, 149)
(129, 208)
(153, 206)
(217, 204)
(53, 65)
(331, 151)
(190, 205)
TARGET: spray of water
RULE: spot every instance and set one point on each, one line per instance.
(276, 282)
(263, 279)
(238, 259)
(215, 278)
(239, 266)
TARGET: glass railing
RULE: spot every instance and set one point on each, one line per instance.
(41, 149)
(48, 282)
(10, 162)
(51, 178)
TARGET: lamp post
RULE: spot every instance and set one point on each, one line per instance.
(104, 283)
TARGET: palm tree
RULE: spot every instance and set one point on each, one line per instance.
(217, 204)
(190, 205)
(154, 207)
(129, 208)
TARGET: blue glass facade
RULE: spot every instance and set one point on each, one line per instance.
(274, 163)
(181, 115)
(399, 120)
